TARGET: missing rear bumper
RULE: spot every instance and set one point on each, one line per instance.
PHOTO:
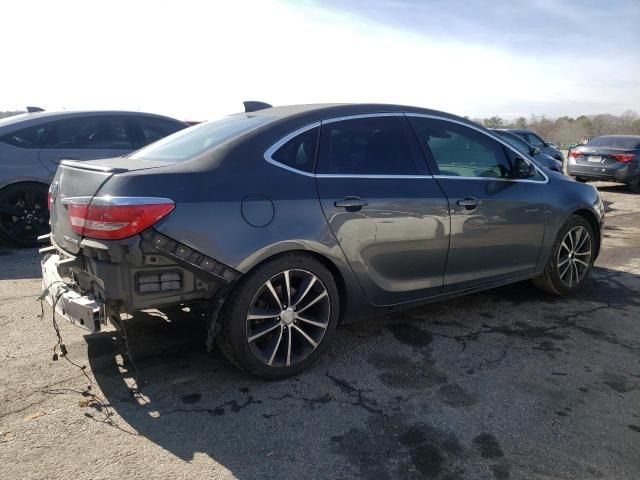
(80, 310)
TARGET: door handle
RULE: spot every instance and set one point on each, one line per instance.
(351, 204)
(469, 203)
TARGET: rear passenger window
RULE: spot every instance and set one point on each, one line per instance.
(461, 151)
(300, 151)
(367, 146)
(91, 133)
(156, 128)
(31, 137)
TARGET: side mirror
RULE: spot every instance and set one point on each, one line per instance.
(535, 151)
(522, 168)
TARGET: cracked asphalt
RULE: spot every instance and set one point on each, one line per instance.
(506, 384)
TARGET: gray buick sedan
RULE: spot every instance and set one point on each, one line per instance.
(286, 222)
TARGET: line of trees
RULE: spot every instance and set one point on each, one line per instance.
(10, 113)
(564, 131)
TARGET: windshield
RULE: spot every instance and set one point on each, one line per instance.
(615, 142)
(515, 142)
(188, 143)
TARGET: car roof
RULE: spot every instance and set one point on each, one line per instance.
(511, 133)
(28, 119)
(329, 110)
(515, 130)
(618, 136)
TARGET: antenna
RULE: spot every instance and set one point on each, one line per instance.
(254, 106)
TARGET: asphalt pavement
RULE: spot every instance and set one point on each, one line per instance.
(511, 383)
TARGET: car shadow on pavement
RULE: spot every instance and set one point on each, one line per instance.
(408, 395)
(19, 264)
(621, 188)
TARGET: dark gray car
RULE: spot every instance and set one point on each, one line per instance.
(32, 146)
(614, 158)
(543, 159)
(535, 140)
(288, 221)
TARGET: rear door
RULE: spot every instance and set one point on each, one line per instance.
(88, 138)
(387, 212)
(497, 221)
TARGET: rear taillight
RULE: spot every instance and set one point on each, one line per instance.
(113, 218)
(49, 199)
(622, 157)
(575, 153)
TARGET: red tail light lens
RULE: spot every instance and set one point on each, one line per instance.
(575, 153)
(622, 157)
(114, 218)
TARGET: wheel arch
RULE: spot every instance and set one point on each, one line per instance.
(592, 218)
(326, 261)
(18, 180)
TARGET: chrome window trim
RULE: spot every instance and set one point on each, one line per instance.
(362, 115)
(268, 154)
(493, 179)
(347, 175)
(494, 137)
(271, 150)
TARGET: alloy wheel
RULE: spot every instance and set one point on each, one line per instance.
(24, 216)
(574, 256)
(287, 318)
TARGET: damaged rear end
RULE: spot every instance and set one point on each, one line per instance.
(106, 258)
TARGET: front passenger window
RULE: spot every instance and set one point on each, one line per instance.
(460, 151)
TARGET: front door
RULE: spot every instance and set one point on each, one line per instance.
(497, 219)
(388, 214)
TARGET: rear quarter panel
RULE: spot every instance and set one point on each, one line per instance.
(209, 213)
(21, 165)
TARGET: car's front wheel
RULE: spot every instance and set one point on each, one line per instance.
(571, 258)
(281, 317)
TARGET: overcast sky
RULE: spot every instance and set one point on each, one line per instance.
(199, 60)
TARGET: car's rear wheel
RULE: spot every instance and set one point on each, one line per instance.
(581, 179)
(571, 258)
(281, 317)
(634, 185)
(24, 214)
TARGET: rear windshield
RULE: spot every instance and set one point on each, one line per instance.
(515, 142)
(615, 142)
(188, 143)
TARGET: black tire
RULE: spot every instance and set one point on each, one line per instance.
(551, 280)
(581, 179)
(24, 214)
(634, 185)
(234, 339)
